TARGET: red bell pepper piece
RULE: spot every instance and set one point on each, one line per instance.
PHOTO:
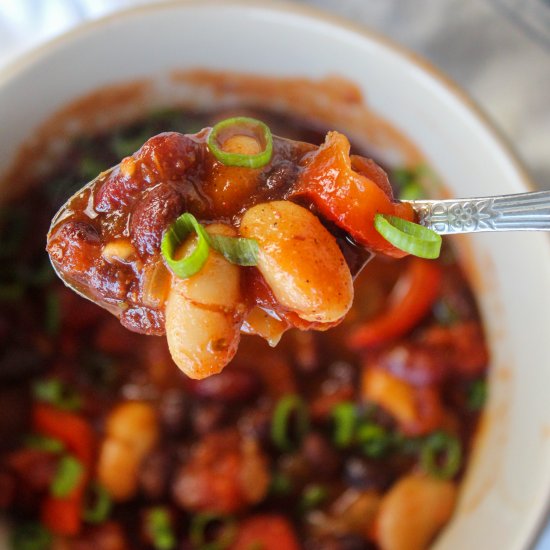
(68, 427)
(63, 515)
(349, 192)
(410, 301)
(267, 531)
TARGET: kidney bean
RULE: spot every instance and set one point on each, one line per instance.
(155, 211)
(151, 164)
(233, 384)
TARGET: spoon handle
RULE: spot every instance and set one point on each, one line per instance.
(518, 212)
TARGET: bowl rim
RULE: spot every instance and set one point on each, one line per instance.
(35, 53)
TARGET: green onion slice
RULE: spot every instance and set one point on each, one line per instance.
(477, 394)
(441, 455)
(313, 496)
(159, 527)
(98, 505)
(288, 407)
(175, 237)
(55, 392)
(44, 443)
(344, 416)
(241, 126)
(280, 484)
(373, 439)
(236, 250)
(199, 526)
(67, 476)
(30, 536)
(408, 236)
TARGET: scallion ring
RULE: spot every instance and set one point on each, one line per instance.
(344, 416)
(288, 407)
(55, 392)
(373, 439)
(313, 496)
(408, 236)
(441, 455)
(159, 527)
(44, 443)
(247, 127)
(67, 476)
(173, 239)
(200, 524)
(237, 250)
(98, 506)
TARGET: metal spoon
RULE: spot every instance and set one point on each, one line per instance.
(517, 212)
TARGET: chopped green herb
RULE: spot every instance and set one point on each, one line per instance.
(313, 496)
(344, 416)
(200, 523)
(52, 314)
(44, 443)
(68, 475)
(55, 392)
(98, 504)
(30, 536)
(90, 166)
(281, 484)
(477, 394)
(159, 527)
(14, 222)
(441, 455)
(374, 440)
(289, 418)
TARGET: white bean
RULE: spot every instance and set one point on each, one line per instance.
(300, 261)
(413, 511)
(204, 314)
(131, 433)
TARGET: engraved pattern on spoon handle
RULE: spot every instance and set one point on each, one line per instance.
(518, 212)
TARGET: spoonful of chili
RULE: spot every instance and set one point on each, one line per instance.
(233, 230)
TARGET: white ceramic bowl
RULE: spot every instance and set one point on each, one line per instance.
(505, 493)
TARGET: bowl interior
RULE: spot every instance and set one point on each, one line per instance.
(505, 492)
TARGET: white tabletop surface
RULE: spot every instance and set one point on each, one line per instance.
(497, 50)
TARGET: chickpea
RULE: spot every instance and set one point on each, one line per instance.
(300, 261)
